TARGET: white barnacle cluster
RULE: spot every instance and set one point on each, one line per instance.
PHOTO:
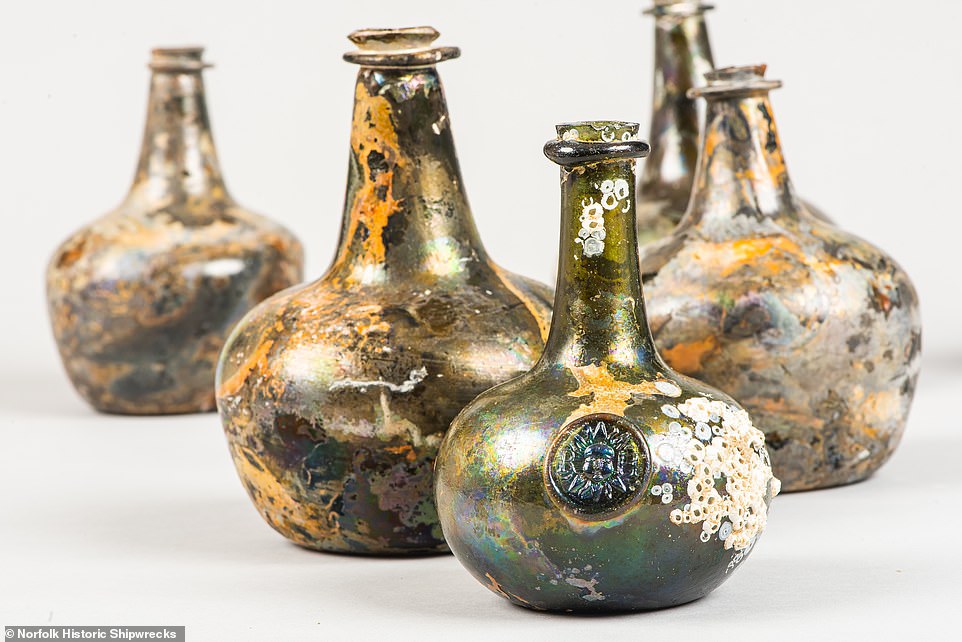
(740, 555)
(669, 447)
(608, 133)
(591, 236)
(725, 444)
(665, 491)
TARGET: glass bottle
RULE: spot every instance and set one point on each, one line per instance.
(142, 299)
(335, 396)
(815, 331)
(682, 58)
(601, 480)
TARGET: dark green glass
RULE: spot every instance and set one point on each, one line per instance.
(601, 480)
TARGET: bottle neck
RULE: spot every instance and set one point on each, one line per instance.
(178, 161)
(682, 57)
(406, 213)
(599, 310)
(741, 170)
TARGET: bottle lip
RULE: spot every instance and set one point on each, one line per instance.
(735, 81)
(398, 47)
(677, 8)
(182, 58)
(604, 131)
(592, 141)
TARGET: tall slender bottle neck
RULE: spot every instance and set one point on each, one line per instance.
(682, 58)
(599, 310)
(178, 161)
(406, 211)
(741, 169)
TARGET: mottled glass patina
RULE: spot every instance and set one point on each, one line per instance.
(602, 480)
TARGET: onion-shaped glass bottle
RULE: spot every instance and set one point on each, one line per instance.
(335, 396)
(602, 480)
(142, 300)
(815, 331)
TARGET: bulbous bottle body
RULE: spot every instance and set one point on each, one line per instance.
(142, 300)
(601, 480)
(521, 462)
(814, 330)
(335, 401)
(141, 305)
(335, 396)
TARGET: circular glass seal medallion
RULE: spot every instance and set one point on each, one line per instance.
(596, 465)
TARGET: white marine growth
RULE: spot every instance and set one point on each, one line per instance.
(725, 444)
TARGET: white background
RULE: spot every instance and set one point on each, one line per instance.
(105, 520)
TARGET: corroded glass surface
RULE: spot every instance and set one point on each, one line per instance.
(815, 331)
(335, 396)
(682, 58)
(601, 480)
(142, 300)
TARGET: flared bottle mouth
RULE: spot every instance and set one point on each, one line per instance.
(188, 58)
(677, 8)
(402, 47)
(735, 81)
(593, 141)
